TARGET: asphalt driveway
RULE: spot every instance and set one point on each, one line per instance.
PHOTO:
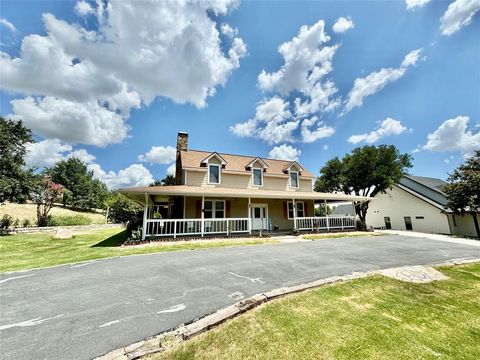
(84, 310)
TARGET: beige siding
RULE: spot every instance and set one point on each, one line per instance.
(463, 224)
(199, 178)
(398, 203)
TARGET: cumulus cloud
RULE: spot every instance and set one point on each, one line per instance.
(453, 135)
(387, 127)
(133, 175)
(171, 170)
(167, 49)
(284, 152)
(412, 4)
(228, 30)
(321, 131)
(48, 152)
(459, 14)
(376, 81)
(342, 24)
(73, 122)
(159, 155)
(7, 24)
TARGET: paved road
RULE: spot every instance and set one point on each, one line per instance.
(85, 310)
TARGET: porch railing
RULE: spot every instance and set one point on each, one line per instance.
(201, 227)
(325, 223)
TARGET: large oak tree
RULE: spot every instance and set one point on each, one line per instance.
(366, 171)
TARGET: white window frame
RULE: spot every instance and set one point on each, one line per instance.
(214, 207)
(219, 174)
(261, 177)
(290, 179)
(295, 209)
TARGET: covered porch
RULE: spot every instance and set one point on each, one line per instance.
(188, 211)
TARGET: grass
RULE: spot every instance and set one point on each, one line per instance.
(29, 211)
(341, 235)
(27, 251)
(369, 318)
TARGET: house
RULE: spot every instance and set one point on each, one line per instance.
(418, 203)
(217, 193)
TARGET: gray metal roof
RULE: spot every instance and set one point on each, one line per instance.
(344, 209)
(428, 187)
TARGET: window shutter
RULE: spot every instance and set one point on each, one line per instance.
(198, 209)
(305, 209)
(285, 210)
(227, 208)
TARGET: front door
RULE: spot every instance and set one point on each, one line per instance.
(408, 223)
(259, 214)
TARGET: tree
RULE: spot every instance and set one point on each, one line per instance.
(15, 180)
(122, 210)
(82, 191)
(166, 181)
(45, 193)
(463, 189)
(366, 171)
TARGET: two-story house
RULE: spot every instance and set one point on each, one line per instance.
(222, 193)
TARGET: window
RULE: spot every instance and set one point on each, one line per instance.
(300, 209)
(293, 179)
(213, 174)
(408, 223)
(257, 177)
(214, 209)
(419, 217)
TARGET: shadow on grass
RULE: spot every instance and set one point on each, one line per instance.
(113, 241)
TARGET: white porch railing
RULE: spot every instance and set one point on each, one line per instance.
(188, 227)
(325, 223)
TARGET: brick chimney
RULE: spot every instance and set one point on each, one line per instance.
(182, 141)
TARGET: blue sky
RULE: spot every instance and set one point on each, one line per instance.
(113, 83)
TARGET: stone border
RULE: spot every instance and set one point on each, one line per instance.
(184, 332)
(52, 229)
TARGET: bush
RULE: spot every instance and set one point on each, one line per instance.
(122, 210)
(26, 223)
(7, 222)
(68, 220)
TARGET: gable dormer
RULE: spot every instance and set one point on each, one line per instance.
(257, 166)
(294, 170)
(214, 164)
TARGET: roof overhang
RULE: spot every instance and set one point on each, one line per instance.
(217, 155)
(138, 194)
(293, 163)
(257, 159)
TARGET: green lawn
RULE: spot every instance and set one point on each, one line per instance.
(26, 251)
(369, 318)
(341, 235)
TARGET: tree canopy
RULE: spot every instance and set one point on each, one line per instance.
(463, 189)
(166, 181)
(366, 171)
(81, 190)
(15, 180)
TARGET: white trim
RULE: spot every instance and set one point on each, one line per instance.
(253, 177)
(185, 182)
(219, 174)
(263, 205)
(214, 201)
(265, 165)
(297, 165)
(290, 179)
(295, 212)
(214, 154)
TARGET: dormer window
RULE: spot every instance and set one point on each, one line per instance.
(294, 179)
(214, 174)
(257, 177)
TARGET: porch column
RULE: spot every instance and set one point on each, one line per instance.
(145, 215)
(249, 216)
(203, 220)
(326, 213)
(294, 214)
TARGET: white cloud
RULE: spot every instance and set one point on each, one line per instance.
(48, 152)
(134, 175)
(171, 170)
(453, 135)
(376, 81)
(387, 127)
(228, 30)
(322, 130)
(8, 24)
(284, 152)
(83, 8)
(159, 155)
(459, 14)
(412, 4)
(87, 123)
(140, 51)
(276, 132)
(245, 129)
(342, 24)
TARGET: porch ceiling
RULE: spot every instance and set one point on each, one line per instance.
(138, 193)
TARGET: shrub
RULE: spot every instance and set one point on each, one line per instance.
(6, 222)
(26, 223)
(68, 220)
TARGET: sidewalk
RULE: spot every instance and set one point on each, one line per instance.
(438, 237)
